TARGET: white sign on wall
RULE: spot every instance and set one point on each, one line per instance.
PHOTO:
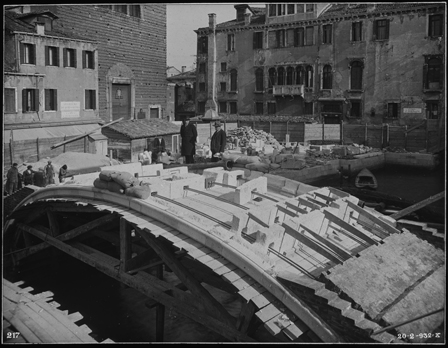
(70, 109)
(412, 110)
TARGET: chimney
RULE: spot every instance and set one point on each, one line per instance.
(40, 28)
(212, 21)
(183, 69)
(211, 105)
(247, 17)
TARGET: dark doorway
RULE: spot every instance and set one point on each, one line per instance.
(121, 101)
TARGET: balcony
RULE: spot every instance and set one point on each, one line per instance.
(288, 90)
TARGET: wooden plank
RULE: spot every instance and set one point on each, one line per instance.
(225, 269)
(295, 331)
(286, 211)
(268, 312)
(308, 204)
(234, 275)
(35, 323)
(418, 206)
(22, 326)
(325, 198)
(376, 220)
(217, 263)
(125, 244)
(338, 193)
(296, 208)
(211, 304)
(310, 243)
(252, 291)
(244, 282)
(312, 200)
(272, 325)
(349, 228)
(263, 299)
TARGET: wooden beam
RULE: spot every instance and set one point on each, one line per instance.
(146, 260)
(308, 204)
(296, 208)
(312, 200)
(160, 311)
(246, 316)
(349, 228)
(389, 229)
(125, 244)
(326, 198)
(310, 243)
(417, 206)
(338, 193)
(212, 305)
(53, 222)
(286, 211)
(149, 286)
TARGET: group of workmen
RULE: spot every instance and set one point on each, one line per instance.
(189, 136)
(16, 180)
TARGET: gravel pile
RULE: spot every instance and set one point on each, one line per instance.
(246, 135)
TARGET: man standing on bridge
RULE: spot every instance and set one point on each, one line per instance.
(218, 141)
(189, 136)
(12, 179)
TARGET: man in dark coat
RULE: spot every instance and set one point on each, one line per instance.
(12, 179)
(158, 146)
(189, 136)
(218, 141)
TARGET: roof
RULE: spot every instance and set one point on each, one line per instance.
(37, 13)
(188, 75)
(144, 128)
(258, 17)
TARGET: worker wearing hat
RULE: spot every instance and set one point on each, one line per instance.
(218, 142)
(28, 176)
(49, 173)
(189, 135)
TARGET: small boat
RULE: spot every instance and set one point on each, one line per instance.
(365, 179)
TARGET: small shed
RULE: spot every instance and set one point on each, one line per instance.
(128, 138)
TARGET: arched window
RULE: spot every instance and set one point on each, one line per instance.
(272, 77)
(356, 68)
(233, 80)
(289, 75)
(309, 76)
(259, 80)
(299, 75)
(281, 76)
(327, 77)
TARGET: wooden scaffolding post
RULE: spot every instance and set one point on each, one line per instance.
(160, 310)
(125, 244)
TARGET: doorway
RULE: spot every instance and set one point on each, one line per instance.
(121, 101)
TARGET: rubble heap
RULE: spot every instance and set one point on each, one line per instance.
(247, 135)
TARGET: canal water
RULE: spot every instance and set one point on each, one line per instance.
(113, 311)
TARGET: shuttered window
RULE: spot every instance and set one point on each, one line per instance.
(259, 77)
(309, 36)
(393, 110)
(272, 109)
(281, 38)
(355, 108)
(223, 86)
(259, 108)
(299, 37)
(281, 76)
(381, 29)
(69, 57)
(357, 31)
(10, 100)
(272, 80)
(90, 99)
(233, 80)
(289, 75)
(327, 77)
(435, 25)
(233, 107)
(258, 40)
(51, 56)
(30, 100)
(230, 42)
(51, 99)
(327, 34)
(27, 53)
(223, 107)
(300, 75)
(356, 68)
(88, 60)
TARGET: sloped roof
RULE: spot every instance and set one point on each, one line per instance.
(188, 75)
(258, 17)
(144, 128)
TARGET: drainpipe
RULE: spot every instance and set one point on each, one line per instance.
(211, 101)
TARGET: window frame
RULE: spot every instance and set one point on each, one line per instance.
(376, 28)
(67, 52)
(306, 42)
(202, 45)
(258, 40)
(272, 107)
(360, 66)
(428, 111)
(30, 96)
(359, 103)
(233, 107)
(222, 107)
(327, 33)
(272, 77)
(233, 76)
(397, 110)
(27, 53)
(88, 59)
(299, 37)
(202, 87)
(309, 76)
(257, 106)
(280, 36)
(327, 77)
(289, 80)
(230, 42)
(223, 65)
(201, 106)
(90, 99)
(356, 31)
(52, 53)
(51, 99)
(259, 80)
(221, 85)
(281, 76)
(431, 28)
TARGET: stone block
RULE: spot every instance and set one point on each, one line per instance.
(254, 174)
(275, 181)
(151, 169)
(231, 178)
(290, 187)
(243, 193)
(216, 173)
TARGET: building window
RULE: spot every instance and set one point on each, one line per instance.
(272, 10)
(289, 75)
(393, 110)
(309, 7)
(281, 38)
(433, 73)
(299, 37)
(223, 107)
(272, 110)
(327, 77)
(326, 34)
(69, 57)
(90, 102)
(258, 40)
(432, 110)
(308, 108)
(291, 8)
(51, 56)
(223, 86)
(272, 77)
(28, 53)
(134, 11)
(281, 9)
(281, 76)
(223, 67)
(300, 74)
(88, 59)
(435, 27)
(355, 108)
(51, 100)
(201, 86)
(259, 76)
(381, 29)
(233, 80)
(300, 8)
(30, 100)
(121, 8)
(201, 107)
(203, 45)
(233, 108)
(309, 39)
(356, 68)
(10, 100)
(309, 76)
(357, 31)
(202, 68)
(230, 42)
(259, 108)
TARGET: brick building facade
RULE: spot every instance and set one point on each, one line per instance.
(357, 63)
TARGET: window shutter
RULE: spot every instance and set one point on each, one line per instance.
(290, 37)
(22, 53)
(33, 54)
(36, 99)
(57, 56)
(425, 76)
(375, 28)
(92, 59)
(64, 53)
(387, 29)
(84, 59)
(47, 99)
(24, 100)
(55, 99)
(93, 99)
(47, 55)
(74, 59)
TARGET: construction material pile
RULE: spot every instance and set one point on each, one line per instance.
(122, 183)
(246, 136)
